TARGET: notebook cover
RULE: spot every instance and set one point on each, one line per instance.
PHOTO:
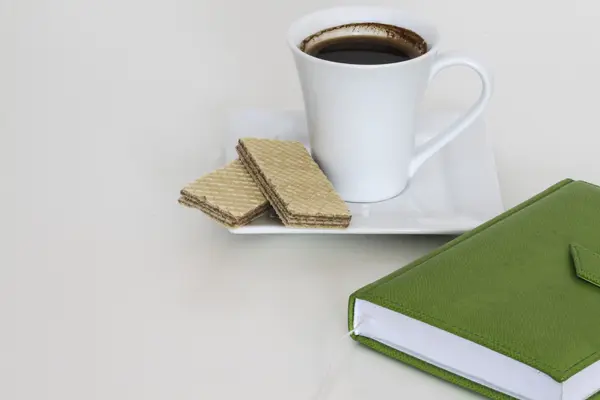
(521, 284)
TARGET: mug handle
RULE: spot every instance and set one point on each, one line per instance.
(433, 145)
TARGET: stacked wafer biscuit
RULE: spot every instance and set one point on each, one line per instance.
(276, 172)
(293, 183)
(228, 195)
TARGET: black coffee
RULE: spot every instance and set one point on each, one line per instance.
(365, 43)
(363, 50)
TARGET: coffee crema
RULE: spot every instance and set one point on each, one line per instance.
(365, 44)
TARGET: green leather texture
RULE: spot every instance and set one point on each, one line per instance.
(587, 263)
(510, 285)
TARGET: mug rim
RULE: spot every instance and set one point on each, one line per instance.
(432, 48)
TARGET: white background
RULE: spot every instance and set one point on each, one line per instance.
(110, 290)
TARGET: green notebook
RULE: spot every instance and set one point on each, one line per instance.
(509, 310)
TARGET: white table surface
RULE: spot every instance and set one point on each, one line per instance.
(110, 290)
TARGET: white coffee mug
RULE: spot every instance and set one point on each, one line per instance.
(361, 118)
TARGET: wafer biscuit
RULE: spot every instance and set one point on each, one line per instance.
(293, 183)
(227, 195)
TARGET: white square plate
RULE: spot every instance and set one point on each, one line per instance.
(453, 192)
